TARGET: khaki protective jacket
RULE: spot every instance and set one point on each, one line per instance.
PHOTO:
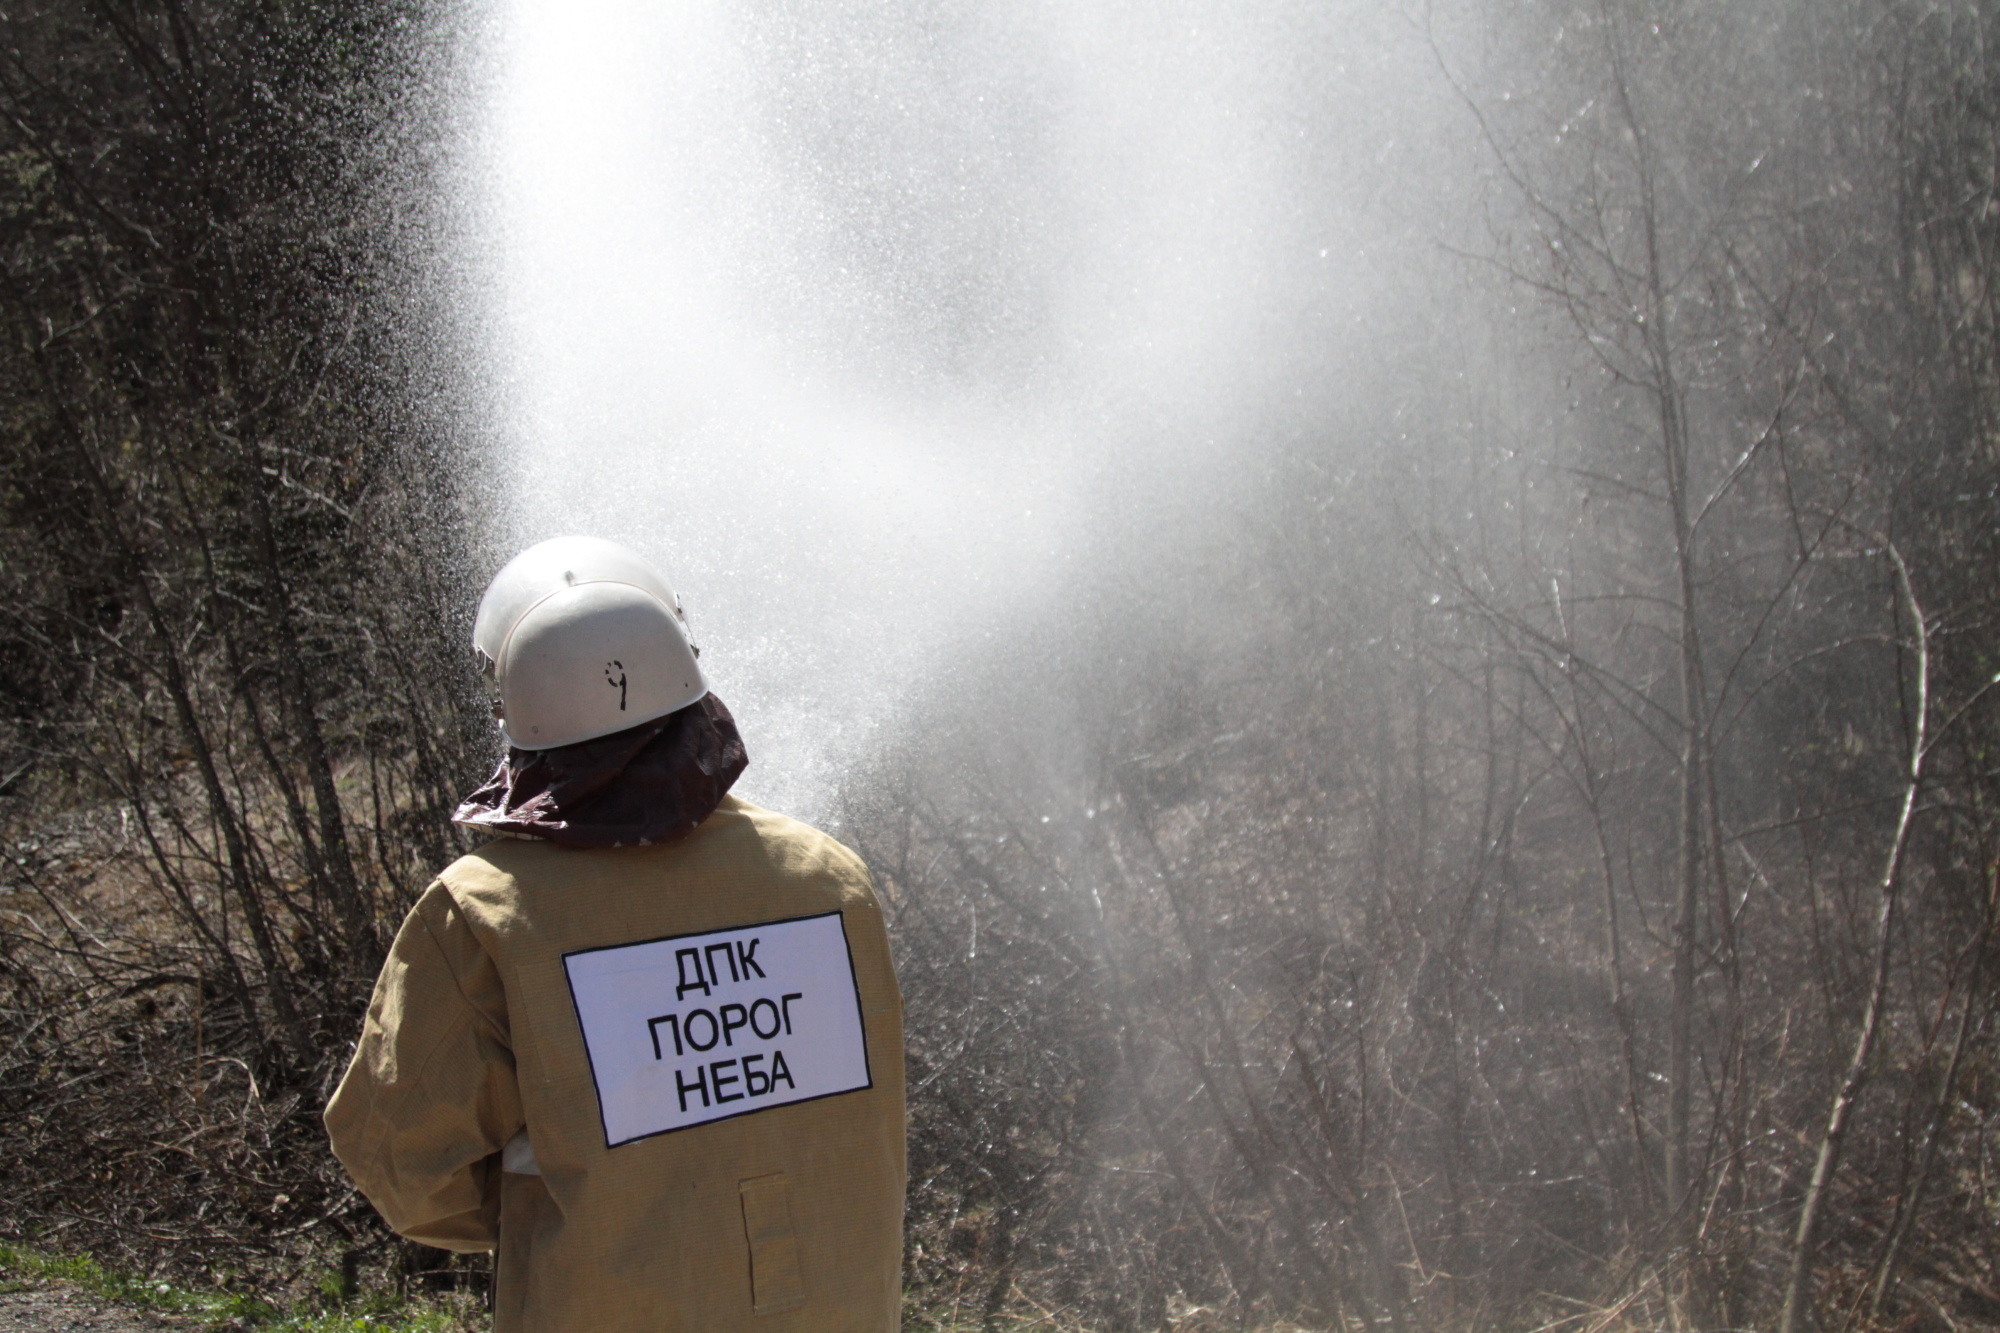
(704, 1042)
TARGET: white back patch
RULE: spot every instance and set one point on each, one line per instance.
(694, 1028)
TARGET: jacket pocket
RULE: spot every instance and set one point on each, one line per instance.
(775, 1281)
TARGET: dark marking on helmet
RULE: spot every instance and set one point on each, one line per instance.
(618, 684)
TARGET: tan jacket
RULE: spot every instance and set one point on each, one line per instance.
(704, 1042)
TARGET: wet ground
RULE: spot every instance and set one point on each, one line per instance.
(51, 1308)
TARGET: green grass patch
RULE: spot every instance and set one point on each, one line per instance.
(21, 1269)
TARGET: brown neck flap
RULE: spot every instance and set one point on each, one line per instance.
(650, 783)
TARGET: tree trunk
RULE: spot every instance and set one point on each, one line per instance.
(1796, 1315)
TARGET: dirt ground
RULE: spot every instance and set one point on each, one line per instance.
(51, 1308)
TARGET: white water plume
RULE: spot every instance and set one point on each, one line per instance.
(870, 322)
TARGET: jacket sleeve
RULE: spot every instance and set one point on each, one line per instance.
(431, 1096)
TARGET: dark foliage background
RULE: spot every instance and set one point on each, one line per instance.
(232, 543)
(1551, 882)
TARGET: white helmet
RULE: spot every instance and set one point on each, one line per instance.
(583, 638)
